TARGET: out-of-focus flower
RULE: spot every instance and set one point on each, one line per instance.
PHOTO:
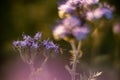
(89, 15)
(116, 28)
(99, 13)
(73, 2)
(80, 33)
(16, 43)
(60, 32)
(70, 28)
(83, 2)
(70, 6)
(90, 2)
(74, 13)
(65, 9)
(71, 22)
(107, 13)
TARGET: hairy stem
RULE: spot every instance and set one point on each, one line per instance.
(74, 62)
(76, 51)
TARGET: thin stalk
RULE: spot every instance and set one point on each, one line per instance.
(79, 49)
(76, 51)
(45, 60)
(32, 69)
(73, 74)
(79, 45)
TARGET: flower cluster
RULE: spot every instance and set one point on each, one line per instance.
(103, 10)
(70, 6)
(71, 27)
(28, 41)
(29, 47)
(76, 14)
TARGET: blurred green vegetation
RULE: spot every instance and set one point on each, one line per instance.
(102, 49)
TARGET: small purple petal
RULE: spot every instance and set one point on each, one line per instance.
(35, 45)
(107, 13)
(19, 43)
(16, 43)
(37, 36)
(50, 45)
(23, 43)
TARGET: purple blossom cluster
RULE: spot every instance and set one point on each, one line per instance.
(75, 14)
(28, 41)
(30, 46)
(71, 5)
(71, 26)
(103, 10)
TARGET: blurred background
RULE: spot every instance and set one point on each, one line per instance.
(102, 48)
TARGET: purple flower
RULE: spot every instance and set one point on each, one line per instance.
(71, 22)
(16, 43)
(26, 37)
(30, 46)
(80, 33)
(89, 15)
(50, 45)
(37, 36)
(69, 7)
(90, 2)
(107, 13)
(23, 43)
(28, 41)
(66, 8)
(35, 44)
(99, 13)
(19, 43)
(103, 10)
(73, 2)
(82, 2)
